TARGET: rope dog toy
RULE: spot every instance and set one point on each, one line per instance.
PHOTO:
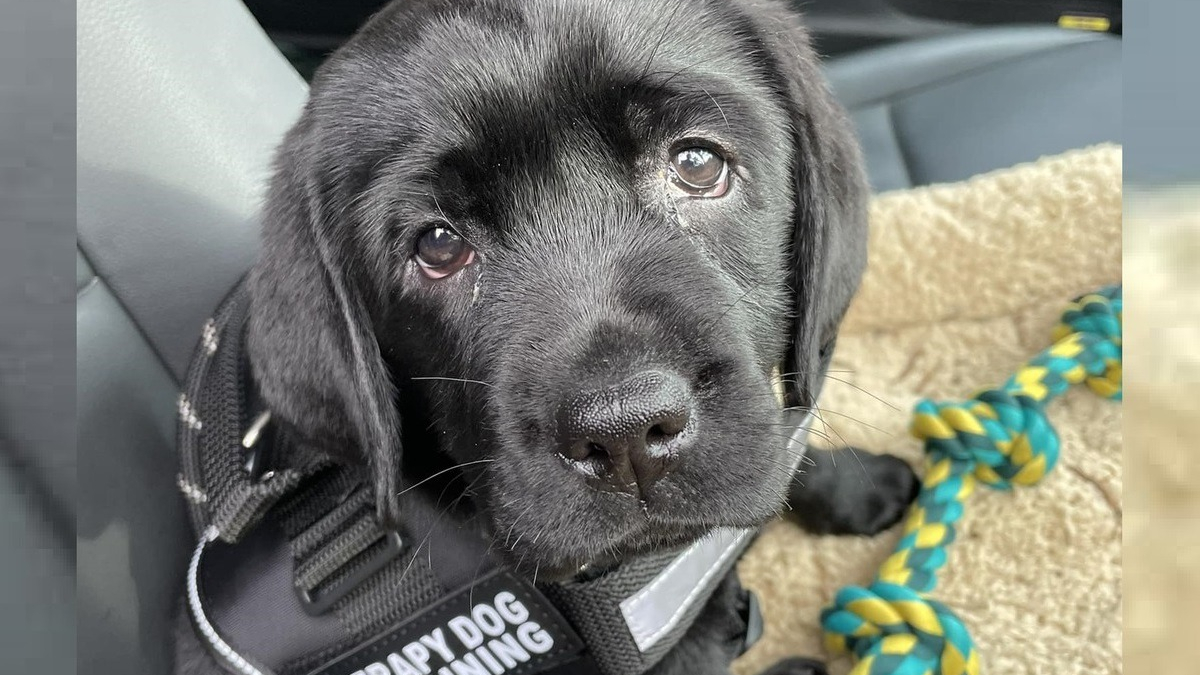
(1001, 438)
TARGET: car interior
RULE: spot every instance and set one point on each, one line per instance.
(180, 105)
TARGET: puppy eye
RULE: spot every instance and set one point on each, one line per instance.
(700, 172)
(441, 252)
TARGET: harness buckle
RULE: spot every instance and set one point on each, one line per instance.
(317, 603)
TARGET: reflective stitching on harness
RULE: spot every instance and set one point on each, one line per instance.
(190, 491)
(187, 413)
(208, 337)
(206, 630)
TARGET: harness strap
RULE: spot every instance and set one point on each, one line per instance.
(221, 493)
(631, 618)
(294, 576)
(333, 541)
(398, 619)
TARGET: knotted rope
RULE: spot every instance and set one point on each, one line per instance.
(1001, 437)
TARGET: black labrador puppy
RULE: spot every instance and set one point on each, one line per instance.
(583, 244)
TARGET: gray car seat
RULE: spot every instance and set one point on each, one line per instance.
(179, 107)
(946, 108)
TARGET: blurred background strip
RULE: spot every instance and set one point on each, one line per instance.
(37, 343)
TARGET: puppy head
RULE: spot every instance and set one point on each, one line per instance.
(570, 241)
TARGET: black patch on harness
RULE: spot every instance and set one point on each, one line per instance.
(501, 625)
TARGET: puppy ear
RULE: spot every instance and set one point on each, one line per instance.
(829, 237)
(314, 353)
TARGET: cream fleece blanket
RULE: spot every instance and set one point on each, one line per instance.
(966, 281)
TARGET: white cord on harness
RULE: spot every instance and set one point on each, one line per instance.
(206, 630)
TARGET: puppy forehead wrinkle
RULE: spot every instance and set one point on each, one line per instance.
(650, 39)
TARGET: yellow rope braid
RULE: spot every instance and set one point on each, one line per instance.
(1001, 437)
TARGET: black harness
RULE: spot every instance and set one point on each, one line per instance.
(294, 576)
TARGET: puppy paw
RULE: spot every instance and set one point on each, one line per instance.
(849, 491)
(797, 666)
(892, 488)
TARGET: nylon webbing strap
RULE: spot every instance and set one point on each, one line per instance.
(594, 606)
(212, 417)
(335, 539)
(345, 532)
(632, 617)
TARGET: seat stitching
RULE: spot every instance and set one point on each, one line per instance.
(99, 279)
(83, 290)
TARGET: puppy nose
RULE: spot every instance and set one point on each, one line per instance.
(625, 436)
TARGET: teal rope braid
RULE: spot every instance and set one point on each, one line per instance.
(1002, 438)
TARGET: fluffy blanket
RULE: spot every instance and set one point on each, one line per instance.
(1162, 516)
(965, 282)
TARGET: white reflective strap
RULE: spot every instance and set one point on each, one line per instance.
(660, 605)
(200, 620)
